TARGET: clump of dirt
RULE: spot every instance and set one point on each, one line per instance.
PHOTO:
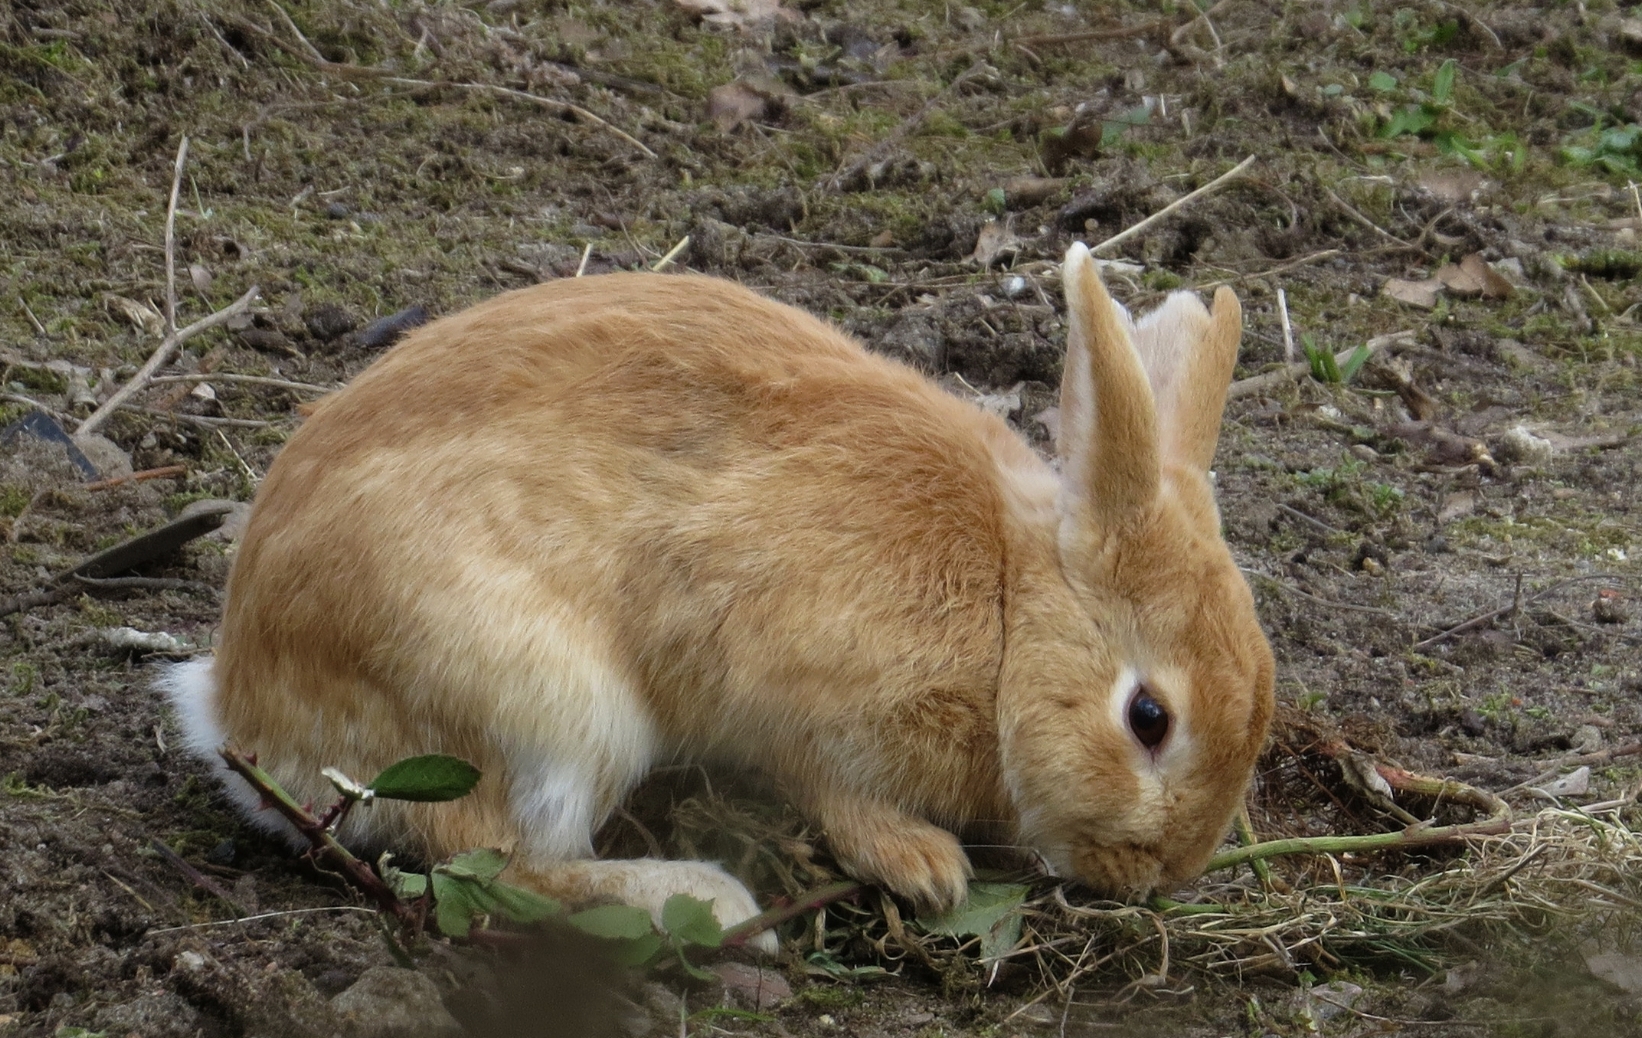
(1443, 546)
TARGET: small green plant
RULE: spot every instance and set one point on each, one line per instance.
(1324, 368)
(466, 890)
(1430, 117)
(1615, 149)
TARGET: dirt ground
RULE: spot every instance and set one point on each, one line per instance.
(913, 171)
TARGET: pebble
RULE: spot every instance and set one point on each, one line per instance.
(391, 1002)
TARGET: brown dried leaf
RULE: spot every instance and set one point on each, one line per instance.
(1422, 294)
(144, 317)
(200, 277)
(1453, 186)
(1459, 280)
(1494, 284)
(732, 104)
(996, 238)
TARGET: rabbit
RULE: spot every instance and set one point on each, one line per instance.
(604, 523)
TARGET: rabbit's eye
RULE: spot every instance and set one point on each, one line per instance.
(1147, 719)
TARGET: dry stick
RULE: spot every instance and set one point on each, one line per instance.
(195, 876)
(247, 380)
(1315, 257)
(163, 472)
(910, 123)
(740, 933)
(1214, 185)
(1370, 224)
(1598, 757)
(171, 239)
(1094, 35)
(1289, 372)
(1496, 823)
(319, 61)
(1288, 329)
(161, 355)
(321, 842)
(1517, 602)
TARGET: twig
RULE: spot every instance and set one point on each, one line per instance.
(308, 53)
(143, 584)
(672, 253)
(1288, 329)
(205, 421)
(161, 355)
(265, 915)
(740, 933)
(1295, 513)
(1498, 821)
(1291, 589)
(1284, 268)
(33, 599)
(171, 239)
(321, 842)
(910, 123)
(38, 327)
(1598, 757)
(1517, 602)
(195, 876)
(587, 251)
(245, 380)
(1370, 224)
(163, 472)
(1289, 372)
(1094, 35)
(1214, 185)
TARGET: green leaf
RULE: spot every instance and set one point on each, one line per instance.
(1353, 364)
(1382, 81)
(453, 909)
(995, 200)
(482, 864)
(426, 779)
(1442, 85)
(1414, 120)
(639, 951)
(519, 905)
(992, 912)
(620, 922)
(690, 920)
(407, 885)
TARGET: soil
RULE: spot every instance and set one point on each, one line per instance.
(367, 166)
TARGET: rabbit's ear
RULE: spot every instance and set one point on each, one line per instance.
(1189, 355)
(1108, 425)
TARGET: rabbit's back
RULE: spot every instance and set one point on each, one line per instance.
(597, 523)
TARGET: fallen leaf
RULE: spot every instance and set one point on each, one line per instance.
(200, 277)
(1032, 190)
(992, 912)
(731, 104)
(1457, 505)
(1494, 284)
(996, 238)
(1453, 186)
(1459, 280)
(141, 315)
(738, 14)
(1422, 294)
(1575, 783)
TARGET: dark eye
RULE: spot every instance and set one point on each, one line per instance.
(1147, 719)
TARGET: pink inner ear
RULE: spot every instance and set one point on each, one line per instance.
(1188, 357)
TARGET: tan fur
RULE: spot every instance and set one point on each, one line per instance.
(605, 522)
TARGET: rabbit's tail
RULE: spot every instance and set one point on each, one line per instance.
(192, 690)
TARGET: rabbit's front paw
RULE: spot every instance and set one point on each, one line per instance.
(880, 844)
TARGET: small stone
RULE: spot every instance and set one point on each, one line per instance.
(329, 322)
(1518, 444)
(337, 211)
(752, 987)
(1608, 607)
(1327, 1001)
(391, 1002)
